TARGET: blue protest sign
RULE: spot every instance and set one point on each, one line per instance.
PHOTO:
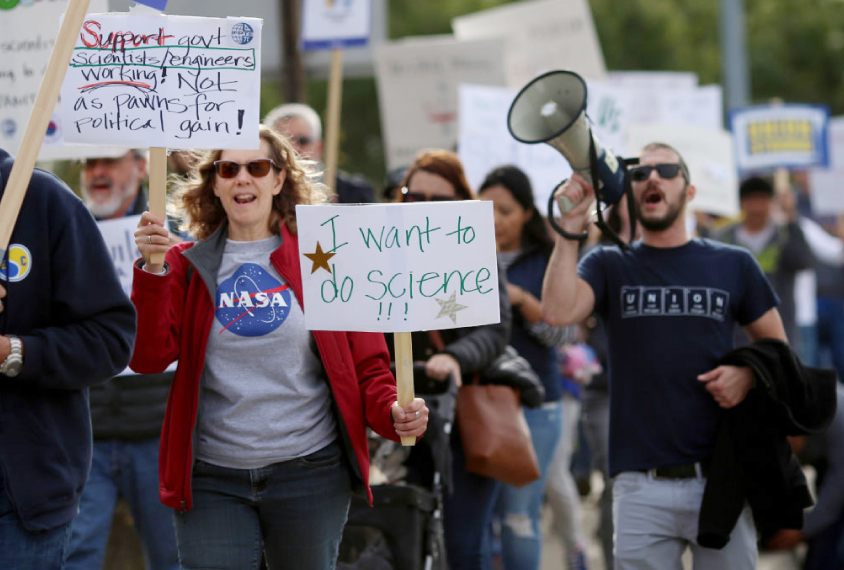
(773, 136)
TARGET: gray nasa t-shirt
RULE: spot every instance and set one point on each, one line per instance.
(262, 399)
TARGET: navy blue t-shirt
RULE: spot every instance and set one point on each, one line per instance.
(670, 314)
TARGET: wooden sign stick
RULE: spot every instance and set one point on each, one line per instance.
(404, 374)
(36, 126)
(332, 122)
(158, 190)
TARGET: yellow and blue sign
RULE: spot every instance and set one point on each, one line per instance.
(774, 136)
(17, 264)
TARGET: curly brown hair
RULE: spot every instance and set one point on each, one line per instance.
(200, 212)
(443, 163)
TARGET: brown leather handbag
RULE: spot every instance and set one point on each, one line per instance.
(495, 435)
(493, 429)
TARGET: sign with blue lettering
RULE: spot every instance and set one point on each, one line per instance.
(774, 136)
(398, 267)
(164, 81)
(328, 24)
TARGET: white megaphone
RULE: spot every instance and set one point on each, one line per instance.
(551, 109)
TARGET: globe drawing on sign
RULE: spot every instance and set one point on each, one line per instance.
(242, 33)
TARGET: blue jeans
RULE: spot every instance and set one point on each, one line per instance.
(521, 537)
(831, 332)
(24, 550)
(294, 512)
(127, 469)
(468, 511)
(807, 344)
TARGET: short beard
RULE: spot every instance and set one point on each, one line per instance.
(666, 221)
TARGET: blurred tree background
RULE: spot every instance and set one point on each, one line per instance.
(795, 52)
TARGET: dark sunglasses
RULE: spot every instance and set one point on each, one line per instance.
(422, 197)
(303, 141)
(256, 168)
(666, 171)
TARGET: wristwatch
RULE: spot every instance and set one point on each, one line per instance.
(13, 364)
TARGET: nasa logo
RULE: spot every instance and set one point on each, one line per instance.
(17, 265)
(252, 302)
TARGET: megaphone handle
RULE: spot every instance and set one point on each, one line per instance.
(566, 205)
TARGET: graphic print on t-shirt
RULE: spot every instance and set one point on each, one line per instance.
(674, 301)
(252, 302)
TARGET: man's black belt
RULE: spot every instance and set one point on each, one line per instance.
(686, 471)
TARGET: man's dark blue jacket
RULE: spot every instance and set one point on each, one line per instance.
(78, 328)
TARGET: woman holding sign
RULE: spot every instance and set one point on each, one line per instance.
(265, 434)
(438, 175)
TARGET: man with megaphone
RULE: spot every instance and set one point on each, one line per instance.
(669, 303)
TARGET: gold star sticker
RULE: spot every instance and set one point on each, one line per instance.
(449, 308)
(320, 259)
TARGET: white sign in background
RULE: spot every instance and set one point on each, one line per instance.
(164, 81)
(119, 237)
(27, 35)
(613, 109)
(418, 80)
(399, 267)
(540, 35)
(335, 24)
(826, 185)
(486, 142)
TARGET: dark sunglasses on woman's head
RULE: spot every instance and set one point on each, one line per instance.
(666, 171)
(256, 168)
(422, 197)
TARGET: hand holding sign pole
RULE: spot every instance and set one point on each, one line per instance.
(45, 102)
(404, 374)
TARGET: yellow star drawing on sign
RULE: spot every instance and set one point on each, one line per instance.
(320, 259)
(449, 308)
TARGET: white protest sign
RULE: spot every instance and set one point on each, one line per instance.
(485, 142)
(667, 80)
(826, 191)
(418, 80)
(825, 184)
(773, 136)
(710, 157)
(327, 25)
(670, 97)
(28, 31)
(164, 81)
(541, 35)
(119, 237)
(398, 267)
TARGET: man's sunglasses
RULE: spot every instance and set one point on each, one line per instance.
(303, 140)
(422, 197)
(666, 171)
(256, 168)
